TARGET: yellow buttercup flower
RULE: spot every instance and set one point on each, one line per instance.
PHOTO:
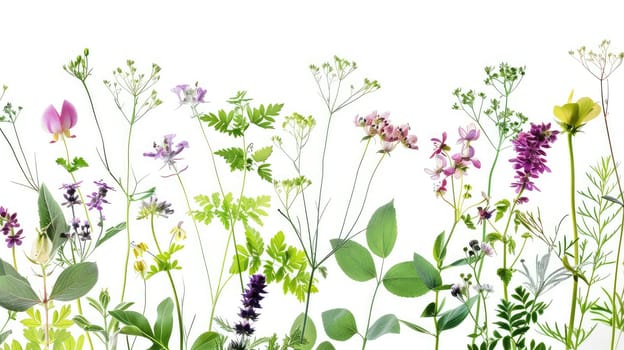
(573, 115)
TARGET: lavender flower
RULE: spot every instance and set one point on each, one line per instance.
(189, 95)
(70, 195)
(9, 224)
(530, 161)
(251, 302)
(97, 199)
(167, 151)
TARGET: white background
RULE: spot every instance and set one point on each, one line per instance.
(419, 52)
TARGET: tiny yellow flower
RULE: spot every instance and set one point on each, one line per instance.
(574, 115)
(140, 267)
(139, 249)
(178, 232)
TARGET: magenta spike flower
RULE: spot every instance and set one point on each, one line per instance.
(59, 124)
(530, 161)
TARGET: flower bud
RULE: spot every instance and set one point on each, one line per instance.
(41, 252)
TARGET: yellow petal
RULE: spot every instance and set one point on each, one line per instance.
(571, 95)
(588, 109)
(567, 114)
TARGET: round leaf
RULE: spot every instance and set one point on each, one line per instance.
(339, 324)
(403, 280)
(381, 232)
(354, 260)
(325, 346)
(206, 341)
(75, 281)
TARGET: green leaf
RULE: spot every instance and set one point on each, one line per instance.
(164, 321)
(234, 156)
(427, 273)
(16, 294)
(51, 218)
(354, 260)
(381, 232)
(339, 324)
(309, 334)
(136, 323)
(7, 269)
(206, 341)
(4, 335)
(403, 280)
(438, 253)
(110, 233)
(456, 316)
(416, 327)
(325, 346)
(76, 163)
(75, 281)
(265, 172)
(262, 154)
(430, 310)
(384, 325)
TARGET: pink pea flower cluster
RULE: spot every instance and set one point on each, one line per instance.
(375, 124)
(456, 164)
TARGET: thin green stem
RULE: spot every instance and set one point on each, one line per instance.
(45, 308)
(435, 320)
(357, 172)
(128, 202)
(505, 243)
(307, 305)
(570, 330)
(199, 240)
(175, 293)
(370, 309)
(19, 164)
(14, 259)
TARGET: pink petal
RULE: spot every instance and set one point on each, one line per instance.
(51, 120)
(69, 117)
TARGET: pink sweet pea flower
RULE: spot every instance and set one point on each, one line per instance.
(57, 124)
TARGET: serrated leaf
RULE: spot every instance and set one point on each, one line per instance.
(403, 280)
(354, 260)
(16, 294)
(51, 218)
(262, 154)
(265, 172)
(384, 325)
(339, 324)
(381, 231)
(74, 282)
(234, 157)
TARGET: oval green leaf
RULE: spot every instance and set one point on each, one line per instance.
(325, 346)
(384, 325)
(339, 324)
(74, 282)
(16, 295)
(427, 273)
(309, 333)
(403, 280)
(206, 341)
(453, 318)
(354, 260)
(381, 232)
(164, 321)
(7, 269)
(51, 218)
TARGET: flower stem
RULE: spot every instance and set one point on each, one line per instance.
(46, 309)
(175, 293)
(307, 305)
(370, 309)
(14, 259)
(128, 201)
(201, 246)
(575, 241)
